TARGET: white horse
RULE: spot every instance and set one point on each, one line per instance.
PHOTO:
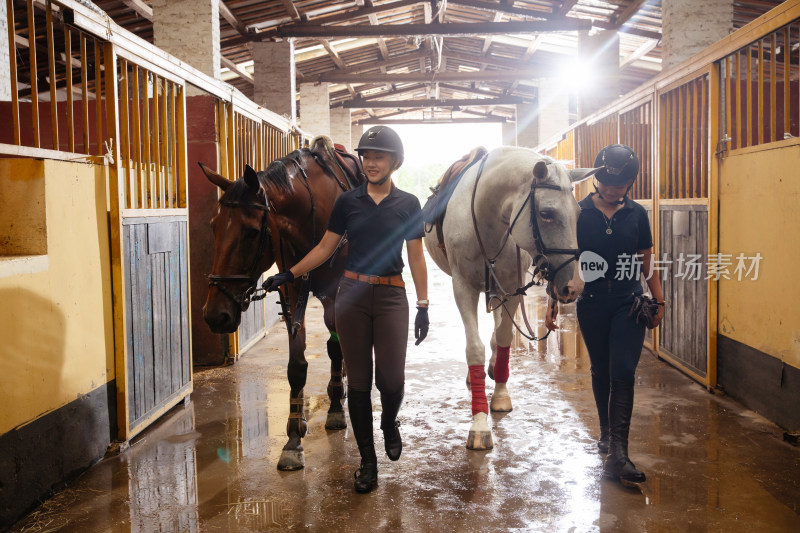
(495, 197)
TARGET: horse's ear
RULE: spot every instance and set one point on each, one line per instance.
(251, 178)
(215, 178)
(540, 170)
(577, 175)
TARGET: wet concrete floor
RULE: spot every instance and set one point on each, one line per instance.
(211, 465)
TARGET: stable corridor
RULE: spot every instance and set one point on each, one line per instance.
(210, 465)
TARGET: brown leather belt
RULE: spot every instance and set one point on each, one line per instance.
(396, 281)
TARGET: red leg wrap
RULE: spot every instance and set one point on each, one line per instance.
(501, 364)
(477, 383)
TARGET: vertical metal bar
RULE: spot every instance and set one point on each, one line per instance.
(51, 64)
(98, 108)
(728, 109)
(180, 144)
(737, 135)
(222, 136)
(12, 63)
(773, 88)
(681, 146)
(127, 176)
(749, 96)
(760, 88)
(148, 197)
(173, 185)
(165, 201)
(704, 110)
(84, 94)
(34, 75)
(136, 192)
(70, 102)
(691, 133)
(158, 199)
(231, 139)
(787, 65)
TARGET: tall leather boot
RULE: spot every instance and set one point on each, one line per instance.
(601, 389)
(360, 406)
(617, 465)
(389, 424)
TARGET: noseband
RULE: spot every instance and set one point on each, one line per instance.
(252, 293)
(541, 261)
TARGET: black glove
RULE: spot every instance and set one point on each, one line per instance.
(273, 282)
(421, 324)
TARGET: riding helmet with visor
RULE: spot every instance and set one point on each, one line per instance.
(382, 139)
(619, 165)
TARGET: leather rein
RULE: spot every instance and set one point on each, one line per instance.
(543, 270)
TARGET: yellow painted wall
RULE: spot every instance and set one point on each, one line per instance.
(760, 212)
(56, 332)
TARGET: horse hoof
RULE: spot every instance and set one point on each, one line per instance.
(336, 420)
(500, 404)
(479, 440)
(291, 460)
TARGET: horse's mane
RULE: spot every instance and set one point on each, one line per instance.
(276, 174)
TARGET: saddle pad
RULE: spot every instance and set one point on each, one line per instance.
(436, 206)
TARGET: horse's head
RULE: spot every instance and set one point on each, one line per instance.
(242, 248)
(553, 219)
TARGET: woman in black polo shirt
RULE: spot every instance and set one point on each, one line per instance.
(371, 304)
(614, 230)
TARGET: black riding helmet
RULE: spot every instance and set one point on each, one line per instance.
(382, 139)
(620, 165)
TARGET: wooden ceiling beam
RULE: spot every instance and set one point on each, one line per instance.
(566, 7)
(431, 77)
(398, 121)
(502, 8)
(625, 29)
(392, 92)
(290, 9)
(494, 61)
(140, 7)
(411, 30)
(626, 14)
(236, 69)
(372, 65)
(343, 17)
(434, 102)
(228, 15)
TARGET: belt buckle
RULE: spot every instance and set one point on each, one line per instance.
(374, 280)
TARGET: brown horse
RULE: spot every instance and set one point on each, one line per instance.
(278, 216)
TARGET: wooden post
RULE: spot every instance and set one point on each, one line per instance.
(34, 77)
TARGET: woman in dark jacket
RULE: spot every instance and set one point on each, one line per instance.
(614, 229)
(371, 303)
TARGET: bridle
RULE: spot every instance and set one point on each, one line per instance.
(253, 292)
(543, 265)
(543, 268)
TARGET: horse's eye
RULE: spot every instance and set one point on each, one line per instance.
(251, 233)
(547, 215)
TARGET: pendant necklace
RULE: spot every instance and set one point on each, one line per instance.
(609, 231)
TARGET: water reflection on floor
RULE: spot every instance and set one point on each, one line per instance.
(211, 465)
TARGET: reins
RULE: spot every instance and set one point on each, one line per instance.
(544, 271)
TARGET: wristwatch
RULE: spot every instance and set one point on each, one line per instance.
(422, 302)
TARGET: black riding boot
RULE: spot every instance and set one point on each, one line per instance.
(360, 406)
(602, 443)
(601, 388)
(617, 465)
(389, 424)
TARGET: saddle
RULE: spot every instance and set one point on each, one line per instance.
(336, 156)
(436, 206)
